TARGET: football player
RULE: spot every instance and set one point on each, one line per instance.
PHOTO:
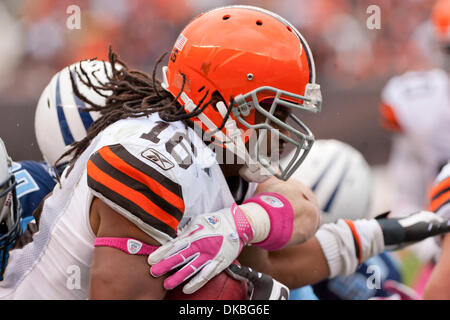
(438, 286)
(59, 120)
(415, 106)
(23, 186)
(324, 255)
(56, 125)
(340, 178)
(61, 117)
(142, 171)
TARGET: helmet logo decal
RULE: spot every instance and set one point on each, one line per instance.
(181, 41)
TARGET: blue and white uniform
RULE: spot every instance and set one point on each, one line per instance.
(35, 180)
(365, 283)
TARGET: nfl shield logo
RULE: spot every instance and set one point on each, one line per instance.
(133, 246)
(272, 201)
(213, 221)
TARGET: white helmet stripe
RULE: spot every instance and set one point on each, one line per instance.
(85, 116)
(63, 125)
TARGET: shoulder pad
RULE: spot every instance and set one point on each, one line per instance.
(439, 194)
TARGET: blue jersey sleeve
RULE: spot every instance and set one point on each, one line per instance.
(35, 180)
(355, 286)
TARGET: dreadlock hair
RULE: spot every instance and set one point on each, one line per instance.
(133, 94)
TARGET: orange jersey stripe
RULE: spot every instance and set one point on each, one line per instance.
(444, 184)
(357, 239)
(130, 171)
(438, 202)
(134, 196)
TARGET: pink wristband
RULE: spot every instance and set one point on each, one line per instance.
(127, 245)
(243, 227)
(281, 215)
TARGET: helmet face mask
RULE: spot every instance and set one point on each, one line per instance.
(10, 212)
(9, 217)
(225, 51)
(297, 134)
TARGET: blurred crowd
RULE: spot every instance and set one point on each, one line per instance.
(353, 61)
(36, 41)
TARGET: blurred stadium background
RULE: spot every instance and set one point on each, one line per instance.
(353, 62)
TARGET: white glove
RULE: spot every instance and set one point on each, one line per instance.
(208, 245)
(401, 232)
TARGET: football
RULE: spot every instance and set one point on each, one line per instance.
(221, 287)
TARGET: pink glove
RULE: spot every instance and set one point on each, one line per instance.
(208, 245)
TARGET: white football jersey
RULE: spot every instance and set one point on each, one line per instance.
(420, 102)
(440, 193)
(156, 174)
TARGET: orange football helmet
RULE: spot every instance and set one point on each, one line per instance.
(245, 55)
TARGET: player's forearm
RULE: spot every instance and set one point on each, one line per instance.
(345, 244)
(117, 276)
(330, 253)
(304, 206)
(294, 266)
(438, 286)
(300, 265)
(276, 223)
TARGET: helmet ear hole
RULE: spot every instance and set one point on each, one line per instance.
(259, 23)
(226, 17)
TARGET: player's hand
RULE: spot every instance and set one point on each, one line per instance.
(400, 232)
(203, 249)
(260, 286)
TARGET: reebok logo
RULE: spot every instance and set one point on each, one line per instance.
(158, 158)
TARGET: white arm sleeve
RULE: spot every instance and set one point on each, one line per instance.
(340, 246)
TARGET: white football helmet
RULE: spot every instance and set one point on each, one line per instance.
(10, 212)
(60, 120)
(340, 178)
